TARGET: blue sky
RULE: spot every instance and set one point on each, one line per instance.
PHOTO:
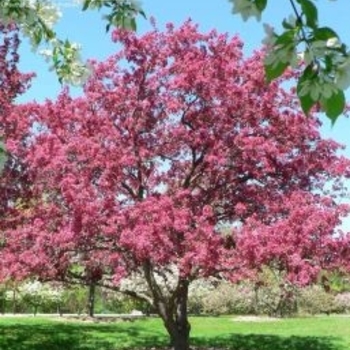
(88, 29)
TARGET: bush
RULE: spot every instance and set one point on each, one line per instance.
(198, 290)
(115, 302)
(229, 299)
(75, 299)
(342, 302)
(276, 300)
(315, 300)
(243, 299)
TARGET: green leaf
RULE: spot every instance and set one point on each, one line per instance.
(287, 38)
(324, 33)
(328, 63)
(37, 36)
(286, 24)
(128, 23)
(143, 14)
(306, 101)
(309, 72)
(334, 105)
(310, 12)
(86, 4)
(275, 70)
(261, 5)
(50, 34)
(132, 24)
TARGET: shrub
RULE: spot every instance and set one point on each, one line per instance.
(115, 302)
(75, 299)
(276, 300)
(229, 299)
(315, 300)
(199, 290)
(342, 302)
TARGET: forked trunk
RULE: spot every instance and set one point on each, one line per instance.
(176, 319)
(171, 308)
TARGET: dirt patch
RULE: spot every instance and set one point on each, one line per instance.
(255, 319)
(87, 319)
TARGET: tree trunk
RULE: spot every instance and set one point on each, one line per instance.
(14, 302)
(3, 302)
(35, 309)
(177, 323)
(172, 309)
(180, 336)
(59, 309)
(91, 299)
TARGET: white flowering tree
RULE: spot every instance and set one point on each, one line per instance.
(325, 58)
(135, 286)
(36, 20)
(36, 294)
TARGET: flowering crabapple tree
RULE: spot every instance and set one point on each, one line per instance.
(176, 136)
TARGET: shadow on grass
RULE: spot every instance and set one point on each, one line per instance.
(52, 336)
(76, 337)
(269, 342)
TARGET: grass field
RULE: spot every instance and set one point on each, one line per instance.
(319, 333)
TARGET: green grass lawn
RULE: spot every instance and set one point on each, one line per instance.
(319, 333)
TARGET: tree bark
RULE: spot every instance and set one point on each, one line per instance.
(172, 309)
(176, 322)
(179, 334)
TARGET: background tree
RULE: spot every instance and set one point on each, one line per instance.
(176, 136)
(37, 294)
